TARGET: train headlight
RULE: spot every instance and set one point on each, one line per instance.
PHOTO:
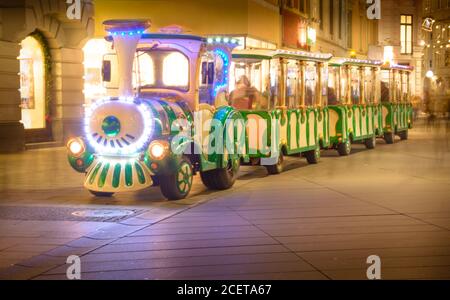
(76, 147)
(158, 150)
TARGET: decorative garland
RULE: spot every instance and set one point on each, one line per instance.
(41, 39)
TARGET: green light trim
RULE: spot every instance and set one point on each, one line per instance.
(140, 173)
(94, 173)
(128, 174)
(103, 174)
(116, 175)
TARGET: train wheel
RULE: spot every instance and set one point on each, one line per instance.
(389, 137)
(313, 156)
(371, 142)
(278, 167)
(101, 194)
(225, 178)
(403, 134)
(177, 186)
(345, 148)
(207, 178)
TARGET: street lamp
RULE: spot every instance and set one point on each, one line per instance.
(429, 74)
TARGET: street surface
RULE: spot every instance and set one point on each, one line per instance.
(311, 222)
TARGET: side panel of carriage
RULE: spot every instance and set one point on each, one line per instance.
(395, 97)
(295, 117)
(354, 109)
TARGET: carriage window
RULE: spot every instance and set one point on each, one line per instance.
(274, 83)
(176, 70)
(369, 85)
(385, 86)
(324, 91)
(344, 74)
(310, 83)
(355, 92)
(397, 86)
(292, 75)
(333, 85)
(405, 86)
(250, 85)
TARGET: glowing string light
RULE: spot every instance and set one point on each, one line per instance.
(132, 148)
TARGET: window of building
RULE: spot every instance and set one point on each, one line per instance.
(349, 29)
(406, 29)
(331, 17)
(341, 8)
(321, 13)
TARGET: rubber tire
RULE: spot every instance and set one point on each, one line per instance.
(389, 137)
(403, 135)
(312, 156)
(344, 149)
(371, 142)
(221, 179)
(101, 194)
(278, 167)
(168, 183)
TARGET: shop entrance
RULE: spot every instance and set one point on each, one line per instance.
(33, 91)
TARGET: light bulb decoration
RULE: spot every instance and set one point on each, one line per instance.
(225, 76)
(107, 135)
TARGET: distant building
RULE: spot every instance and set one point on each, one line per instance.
(436, 33)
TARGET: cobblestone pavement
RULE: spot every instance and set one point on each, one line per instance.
(311, 222)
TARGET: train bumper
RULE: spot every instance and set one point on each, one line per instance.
(117, 175)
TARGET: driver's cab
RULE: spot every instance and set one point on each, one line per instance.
(178, 67)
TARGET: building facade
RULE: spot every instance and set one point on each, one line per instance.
(436, 34)
(41, 71)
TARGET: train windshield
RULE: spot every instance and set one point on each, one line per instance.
(161, 69)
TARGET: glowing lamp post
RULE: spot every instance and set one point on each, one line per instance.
(126, 35)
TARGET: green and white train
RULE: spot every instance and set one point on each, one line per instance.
(188, 104)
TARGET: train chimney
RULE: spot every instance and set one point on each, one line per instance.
(126, 35)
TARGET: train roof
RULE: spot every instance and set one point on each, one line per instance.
(168, 36)
(340, 61)
(271, 53)
(397, 67)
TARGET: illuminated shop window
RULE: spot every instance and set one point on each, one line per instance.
(406, 34)
(32, 84)
(176, 70)
(94, 54)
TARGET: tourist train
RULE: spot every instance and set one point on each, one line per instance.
(186, 104)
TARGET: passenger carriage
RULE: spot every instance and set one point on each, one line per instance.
(283, 97)
(397, 111)
(353, 103)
